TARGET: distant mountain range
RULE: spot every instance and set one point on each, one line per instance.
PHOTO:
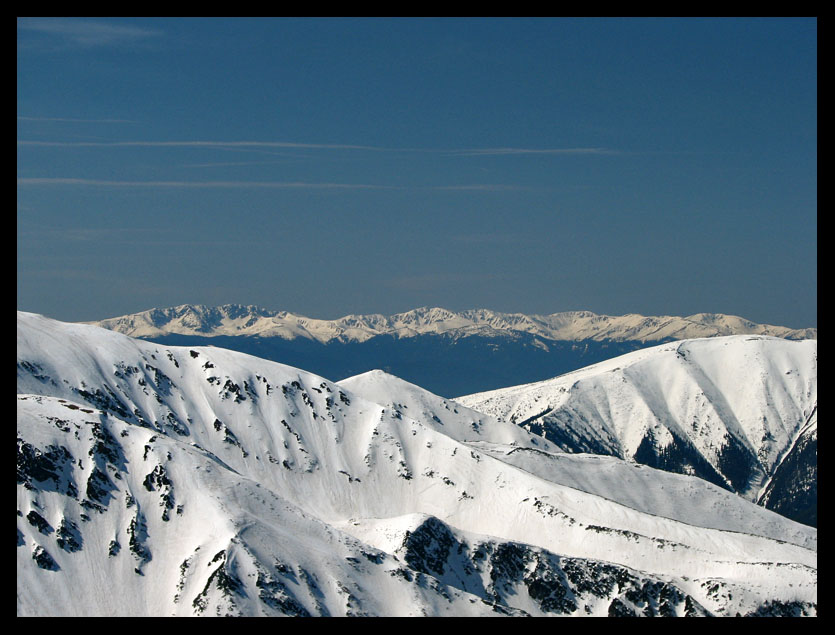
(252, 321)
(156, 480)
(449, 353)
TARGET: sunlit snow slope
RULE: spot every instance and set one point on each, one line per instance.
(731, 410)
(200, 481)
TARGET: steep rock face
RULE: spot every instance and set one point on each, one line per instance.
(724, 409)
(514, 574)
(157, 480)
(521, 579)
(793, 489)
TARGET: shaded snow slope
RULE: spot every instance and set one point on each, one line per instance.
(200, 481)
(792, 489)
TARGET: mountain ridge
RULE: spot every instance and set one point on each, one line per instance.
(251, 320)
(730, 409)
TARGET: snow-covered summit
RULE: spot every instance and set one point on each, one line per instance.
(452, 419)
(728, 409)
(233, 319)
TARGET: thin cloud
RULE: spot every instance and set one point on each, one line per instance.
(87, 33)
(71, 120)
(479, 187)
(199, 144)
(235, 164)
(324, 146)
(58, 181)
(124, 236)
(518, 151)
(203, 184)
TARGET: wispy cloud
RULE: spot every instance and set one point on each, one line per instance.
(519, 151)
(324, 146)
(58, 181)
(480, 187)
(125, 236)
(72, 120)
(235, 164)
(87, 33)
(203, 184)
(198, 144)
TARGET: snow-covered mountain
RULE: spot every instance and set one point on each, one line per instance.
(739, 411)
(158, 480)
(235, 319)
(482, 350)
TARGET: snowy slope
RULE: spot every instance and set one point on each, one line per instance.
(226, 545)
(453, 420)
(233, 319)
(203, 481)
(653, 491)
(727, 409)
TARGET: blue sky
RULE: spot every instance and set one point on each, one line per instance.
(335, 166)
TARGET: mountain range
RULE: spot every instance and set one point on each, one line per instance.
(249, 320)
(160, 480)
(481, 349)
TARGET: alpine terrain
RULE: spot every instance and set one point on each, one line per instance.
(481, 349)
(157, 480)
(738, 411)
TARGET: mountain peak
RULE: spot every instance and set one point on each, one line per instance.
(727, 409)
